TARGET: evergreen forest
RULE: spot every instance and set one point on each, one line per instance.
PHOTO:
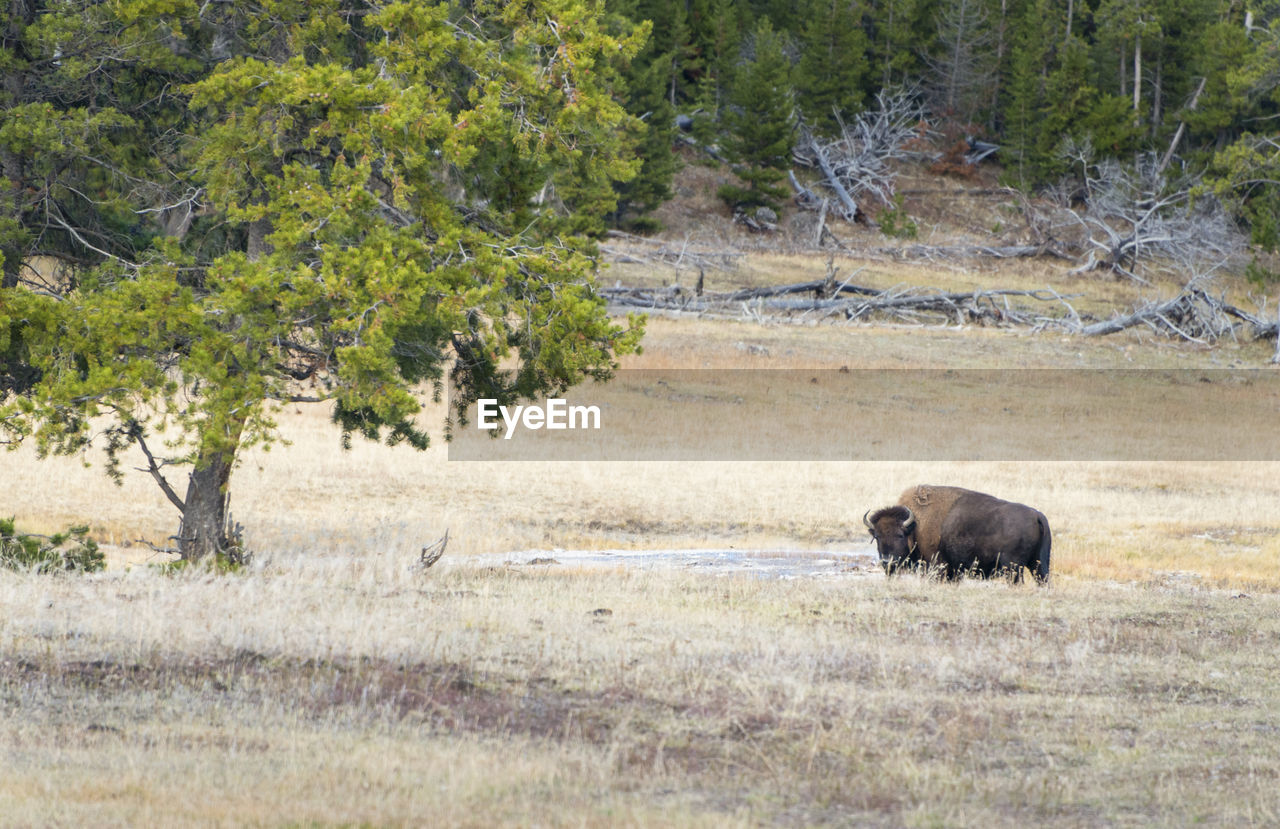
(1190, 84)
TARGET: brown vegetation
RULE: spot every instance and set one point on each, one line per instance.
(363, 692)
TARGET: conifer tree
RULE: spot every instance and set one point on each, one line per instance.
(673, 43)
(760, 121)
(902, 31)
(368, 214)
(1245, 173)
(963, 67)
(784, 15)
(832, 71)
(646, 77)
(1220, 111)
(719, 39)
(1025, 95)
(1076, 110)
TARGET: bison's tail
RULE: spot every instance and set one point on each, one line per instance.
(1042, 566)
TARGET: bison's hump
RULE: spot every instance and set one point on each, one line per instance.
(929, 495)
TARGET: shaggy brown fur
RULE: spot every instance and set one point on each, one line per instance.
(956, 531)
(930, 505)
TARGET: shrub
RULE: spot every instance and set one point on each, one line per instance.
(1261, 275)
(70, 550)
(895, 222)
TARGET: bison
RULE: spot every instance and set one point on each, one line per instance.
(956, 531)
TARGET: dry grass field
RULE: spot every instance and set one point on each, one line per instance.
(332, 684)
(349, 691)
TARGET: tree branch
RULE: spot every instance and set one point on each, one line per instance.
(135, 430)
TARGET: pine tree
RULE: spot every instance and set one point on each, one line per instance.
(673, 42)
(784, 16)
(833, 66)
(760, 121)
(902, 31)
(654, 134)
(963, 67)
(1025, 95)
(1218, 115)
(1074, 109)
(372, 217)
(1178, 58)
(719, 39)
(1244, 173)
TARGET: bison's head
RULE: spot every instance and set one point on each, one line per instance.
(894, 529)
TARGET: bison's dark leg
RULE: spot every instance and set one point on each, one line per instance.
(1043, 550)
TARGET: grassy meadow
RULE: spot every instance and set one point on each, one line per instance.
(331, 683)
(360, 693)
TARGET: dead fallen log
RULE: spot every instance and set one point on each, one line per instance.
(761, 220)
(710, 150)
(831, 180)
(645, 251)
(1118, 324)
(804, 197)
(938, 299)
(1194, 315)
(1260, 329)
(433, 551)
(817, 286)
(978, 150)
(932, 252)
(844, 298)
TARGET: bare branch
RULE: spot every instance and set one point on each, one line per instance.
(1137, 217)
(433, 551)
(135, 431)
(642, 250)
(857, 163)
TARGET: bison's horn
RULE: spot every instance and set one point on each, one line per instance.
(911, 519)
(865, 521)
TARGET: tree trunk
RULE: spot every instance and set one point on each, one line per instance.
(257, 245)
(1000, 33)
(953, 77)
(205, 527)
(832, 180)
(12, 269)
(1156, 92)
(1124, 76)
(1275, 358)
(1137, 78)
(204, 530)
(889, 45)
(1182, 127)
